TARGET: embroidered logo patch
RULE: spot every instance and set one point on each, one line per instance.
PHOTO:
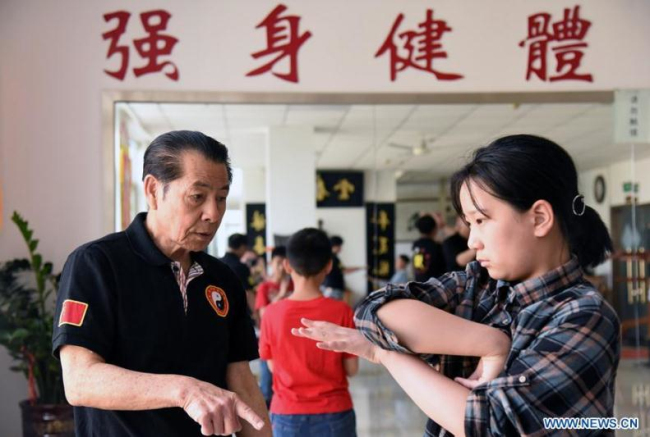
(73, 312)
(218, 300)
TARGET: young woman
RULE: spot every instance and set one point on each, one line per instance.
(520, 335)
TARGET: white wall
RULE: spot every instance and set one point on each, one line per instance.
(290, 181)
(349, 224)
(52, 59)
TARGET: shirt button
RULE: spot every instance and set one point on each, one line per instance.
(522, 379)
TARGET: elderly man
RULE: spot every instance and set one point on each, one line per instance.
(152, 333)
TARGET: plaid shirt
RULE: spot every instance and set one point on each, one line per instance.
(564, 354)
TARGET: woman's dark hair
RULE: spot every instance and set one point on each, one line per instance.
(405, 258)
(308, 251)
(522, 169)
(162, 159)
(426, 224)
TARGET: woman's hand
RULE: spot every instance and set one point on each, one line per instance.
(332, 337)
(487, 369)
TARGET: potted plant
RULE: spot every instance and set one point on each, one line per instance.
(27, 289)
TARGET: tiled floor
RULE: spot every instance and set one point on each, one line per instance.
(384, 410)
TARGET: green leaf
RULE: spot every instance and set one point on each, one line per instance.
(47, 268)
(17, 218)
(25, 322)
(20, 333)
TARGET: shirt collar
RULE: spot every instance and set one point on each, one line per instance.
(142, 243)
(545, 286)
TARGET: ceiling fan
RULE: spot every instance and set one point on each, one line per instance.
(421, 149)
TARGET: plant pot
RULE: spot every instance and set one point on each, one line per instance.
(45, 420)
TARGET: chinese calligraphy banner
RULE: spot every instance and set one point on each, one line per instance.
(335, 189)
(256, 227)
(380, 233)
(402, 46)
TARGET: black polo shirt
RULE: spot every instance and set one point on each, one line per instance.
(428, 260)
(119, 298)
(241, 270)
(334, 278)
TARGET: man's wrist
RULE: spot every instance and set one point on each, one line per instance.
(180, 390)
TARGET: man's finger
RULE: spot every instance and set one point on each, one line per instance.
(206, 425)
(247, 413)
(231, 422)
(217, 424)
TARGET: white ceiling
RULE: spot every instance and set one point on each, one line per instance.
(364, 136)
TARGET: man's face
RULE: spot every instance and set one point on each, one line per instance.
(190, 211)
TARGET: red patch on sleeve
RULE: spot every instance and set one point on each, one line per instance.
(73, 312)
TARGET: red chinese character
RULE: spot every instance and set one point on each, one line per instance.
(150, 47)
(114, 35)
(421, 47)
(156, 44)
(282, 38)
(568, 35)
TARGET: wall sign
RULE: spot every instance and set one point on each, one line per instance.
(380, 233)
(256, 227)
(336, 189)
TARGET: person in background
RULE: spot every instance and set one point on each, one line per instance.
(334, 284)
(277, 287)
(400, 276)
(454, 248)
(311, 385)
(256, 265)
(428, 260)
(401, 270)
(237, 248)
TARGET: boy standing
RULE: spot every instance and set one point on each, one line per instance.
(310, 384)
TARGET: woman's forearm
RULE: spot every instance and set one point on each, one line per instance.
(440, 398)
(426, 329)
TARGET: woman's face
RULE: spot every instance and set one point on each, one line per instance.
(503, 238)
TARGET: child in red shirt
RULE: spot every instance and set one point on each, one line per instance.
(275, 288)
(311, 396)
